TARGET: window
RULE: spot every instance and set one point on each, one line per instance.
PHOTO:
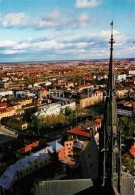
(90, 164)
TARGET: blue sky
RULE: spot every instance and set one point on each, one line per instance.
(42, 30)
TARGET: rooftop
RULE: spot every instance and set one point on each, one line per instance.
(8, 177)
(55, 145)
(79, 131)
(132, 150)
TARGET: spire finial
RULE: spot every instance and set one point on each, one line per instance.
(112, 28)
(111, 41)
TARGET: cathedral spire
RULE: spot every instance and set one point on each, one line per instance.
(111, 138)
(111, 79)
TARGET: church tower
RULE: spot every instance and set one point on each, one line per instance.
(111, 159)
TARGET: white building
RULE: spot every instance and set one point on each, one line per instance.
(132, 72)
(126, 108)
(100, 77)
(46, 83)
(121, 77)
(4, 92)
(24, 167)
(55, 108)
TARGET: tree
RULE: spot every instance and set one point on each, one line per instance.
(68, 111)
(127, 126)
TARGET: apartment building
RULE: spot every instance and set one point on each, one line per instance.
(54, 108)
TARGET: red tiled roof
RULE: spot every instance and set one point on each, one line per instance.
(28, 147)
(132, 150)
(83, 86)
(132, 80)
(8, 109)
(128, 88)
(5, 104)
(79, 131)
(69, 82)
(98, 120)
(87, 78)
(2, 110)
(98, 91)
(43, 89)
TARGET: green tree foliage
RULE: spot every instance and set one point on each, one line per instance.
(70, 115)
(68, 111)
(129, 164)
(127, 125)
(46, 123)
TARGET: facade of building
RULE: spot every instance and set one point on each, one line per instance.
(11, 111)
(120, 77)
(66, 151)
(4, 85)
(79, 133)
(54, 108)
(95, 98)
(5, 92)
(121, 93)
(24, 167)
(131, 72)
(126, 108)
(87, 86)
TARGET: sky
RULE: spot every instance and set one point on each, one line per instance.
(49, 30)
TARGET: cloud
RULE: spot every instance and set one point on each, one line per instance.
(87, 3)
(53, 15)
(67, 46)
(54, 20)
(49, 21)
(10, 52)
(83, 21)
(7, 44)
(83, 17)
(15, 19)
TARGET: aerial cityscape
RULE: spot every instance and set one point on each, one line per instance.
(67, 97)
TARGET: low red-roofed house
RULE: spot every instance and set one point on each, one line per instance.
(79, 133)
(3, 105)
(44, 92)
(7, 112)
(87, 86)
(132, 81)
(98, 123)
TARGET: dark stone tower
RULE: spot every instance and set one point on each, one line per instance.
(111, 159)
